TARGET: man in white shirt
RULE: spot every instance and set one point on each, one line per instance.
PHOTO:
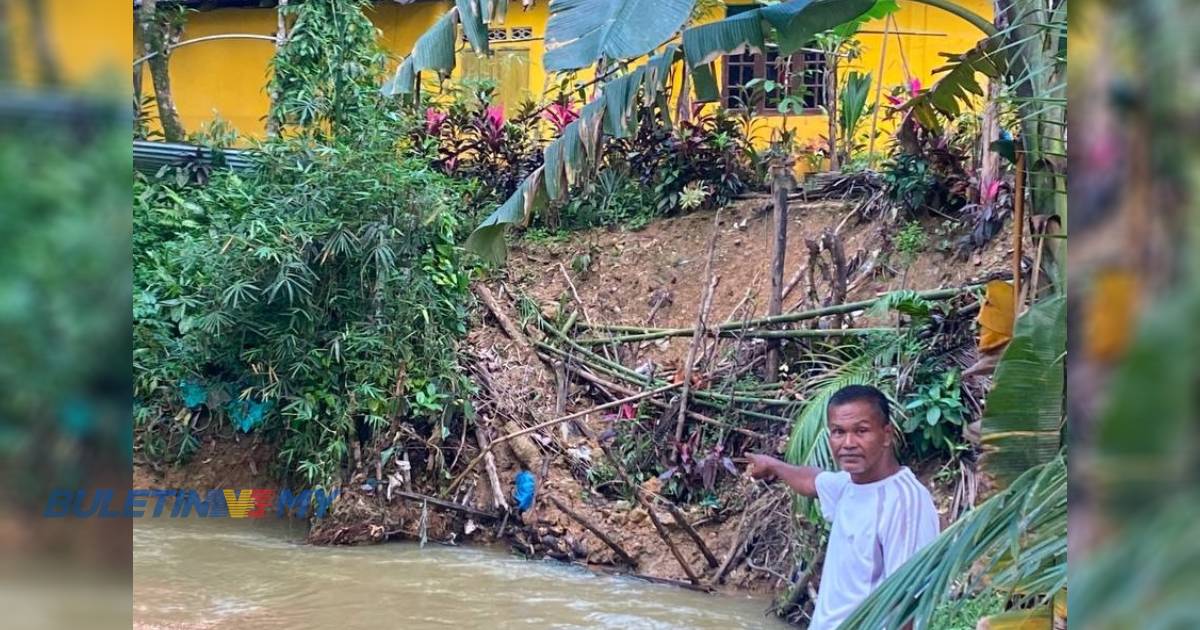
(880, 513)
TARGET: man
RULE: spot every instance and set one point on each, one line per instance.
(880, 513)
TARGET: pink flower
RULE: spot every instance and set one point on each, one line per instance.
(560, 115)
(495, 116)
(914, 86)
(991, 190)
(434, 120)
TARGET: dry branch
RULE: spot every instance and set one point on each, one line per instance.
(591, 527)
(701, 324)
(681, 519)
(504, 438)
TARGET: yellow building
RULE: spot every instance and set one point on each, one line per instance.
(229, 76)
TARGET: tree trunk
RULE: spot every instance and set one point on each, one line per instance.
(831, 105)
(155, 37)
(781, 183)
(6, 53)
(47, 65)
(275, 119)
(989, 131)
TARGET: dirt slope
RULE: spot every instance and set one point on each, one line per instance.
(618, 276)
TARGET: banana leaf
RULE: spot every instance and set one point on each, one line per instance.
(580, 32)
(1023, 417)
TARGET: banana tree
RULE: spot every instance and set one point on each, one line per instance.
(576, 41)
(578, 34)
(1028, 56)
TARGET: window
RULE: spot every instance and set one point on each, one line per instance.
(807, 70)
(506, 35)
(807, 78)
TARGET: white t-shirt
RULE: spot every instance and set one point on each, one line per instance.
(876, 527)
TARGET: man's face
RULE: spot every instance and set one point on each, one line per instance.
(858, 437)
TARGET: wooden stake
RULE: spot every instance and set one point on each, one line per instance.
(887, 29)
(780, 186)
(1018, 224)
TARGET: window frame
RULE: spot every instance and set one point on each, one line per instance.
(760, 72)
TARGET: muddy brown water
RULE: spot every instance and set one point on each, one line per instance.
(225, 573)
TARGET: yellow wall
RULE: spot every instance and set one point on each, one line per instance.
(229, 77)
(87, 40)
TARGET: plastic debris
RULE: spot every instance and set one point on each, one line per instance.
(524, 492)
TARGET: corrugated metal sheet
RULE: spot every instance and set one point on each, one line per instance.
(149, 157)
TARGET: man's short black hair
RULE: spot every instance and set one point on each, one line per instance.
(866, 393)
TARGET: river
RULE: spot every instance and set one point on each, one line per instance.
(218, 573)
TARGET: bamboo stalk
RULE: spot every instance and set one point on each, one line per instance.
(750, 334)
(633, 377)
(788, 318)
(887, 28)
(1018, 228)
(621, 389)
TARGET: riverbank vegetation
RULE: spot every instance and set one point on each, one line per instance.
(350, 299)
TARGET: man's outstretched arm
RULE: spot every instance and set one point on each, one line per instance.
(801, 479)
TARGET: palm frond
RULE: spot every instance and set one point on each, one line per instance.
(1018, 537)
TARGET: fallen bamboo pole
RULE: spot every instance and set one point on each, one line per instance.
(803, 333)
(578, 414)
(615, 369)
(662, 405)
(788, 318)
(449, 505)
(595, 530)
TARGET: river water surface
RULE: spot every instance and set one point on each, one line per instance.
(217, 573)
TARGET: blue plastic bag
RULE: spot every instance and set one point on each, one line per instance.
(524, 492)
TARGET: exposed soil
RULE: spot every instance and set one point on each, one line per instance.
(618, 276)
(223, 460)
